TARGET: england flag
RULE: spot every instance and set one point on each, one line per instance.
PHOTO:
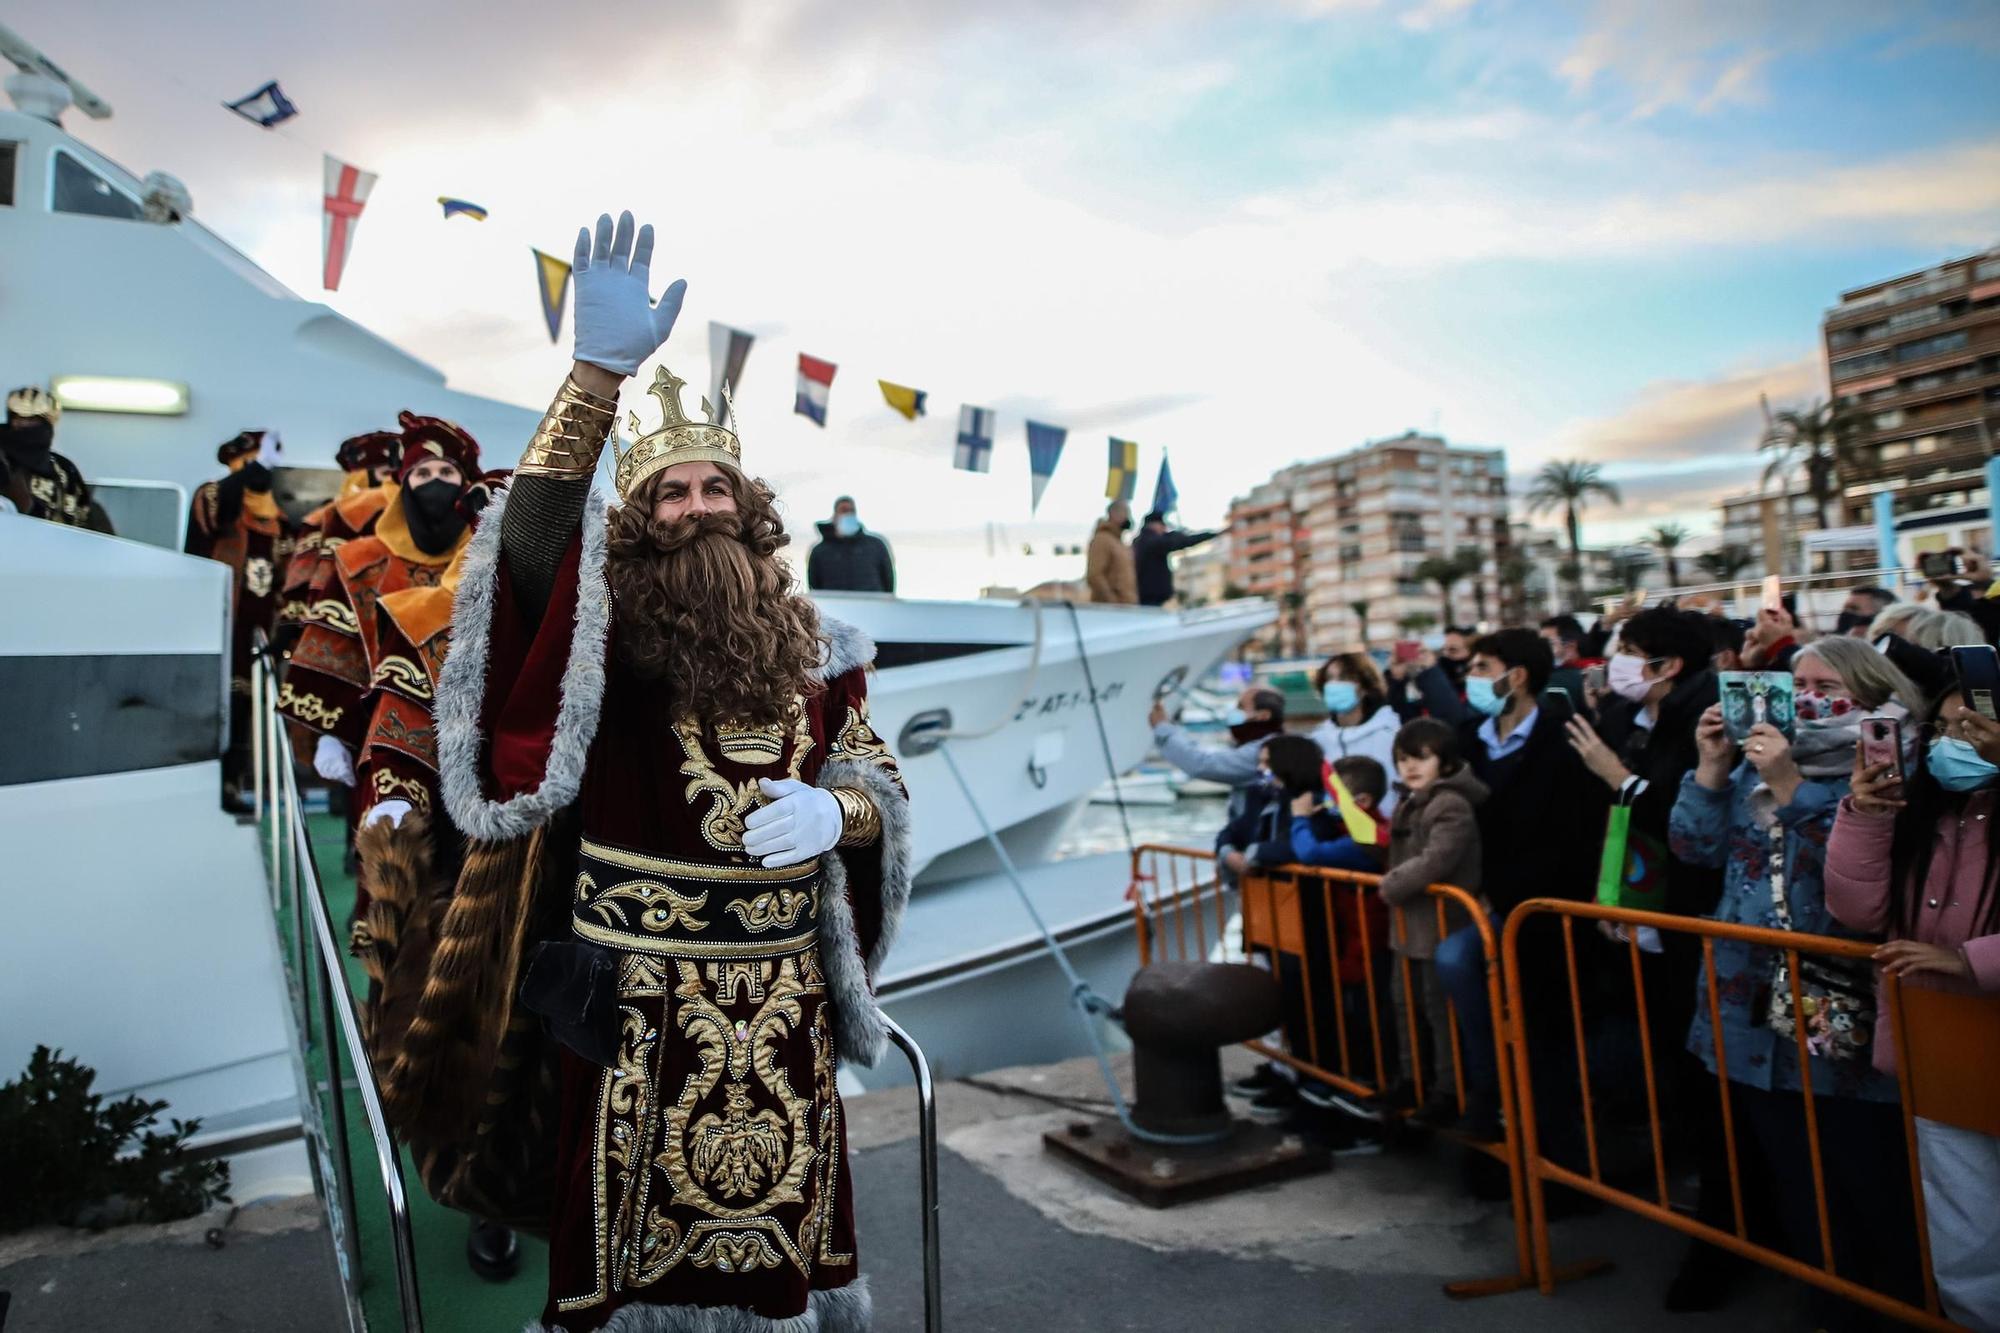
(815, 382)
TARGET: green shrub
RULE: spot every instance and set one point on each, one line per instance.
(67, 1157)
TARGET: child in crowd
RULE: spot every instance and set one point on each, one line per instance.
(1916, 860)
(1433, 839)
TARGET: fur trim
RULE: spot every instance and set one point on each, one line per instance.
(397, 867)
(846, 649)
(848, 1309)
(462, 685)
(858, 1027)
(893, 804)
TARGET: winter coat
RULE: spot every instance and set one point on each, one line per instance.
(1233, 765)
(1857, 893)
(860, 563)
(1109, 568)
(1260, 832)
(1433, 839)
(1149, 553)
(1663, 754)
(1716, 828)
(1374, 736)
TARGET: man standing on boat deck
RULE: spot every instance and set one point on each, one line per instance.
(419, 532)
(1108, 566)
(235, 520)
(368, 466)
(655, 739)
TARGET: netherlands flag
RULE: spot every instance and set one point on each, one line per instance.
(815, 382)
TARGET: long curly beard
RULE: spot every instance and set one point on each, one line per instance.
(706, 606)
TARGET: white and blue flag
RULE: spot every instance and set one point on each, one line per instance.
(268, 106)
(975, 439)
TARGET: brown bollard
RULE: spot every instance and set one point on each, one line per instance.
(1179, 1015)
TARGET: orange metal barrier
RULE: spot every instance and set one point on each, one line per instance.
(1182, 912)
(1932, 1071)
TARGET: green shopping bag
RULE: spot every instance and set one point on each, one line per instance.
(1632, 871)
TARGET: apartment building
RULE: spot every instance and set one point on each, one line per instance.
(1920, 355)
(1741, 520)
(1321, 536)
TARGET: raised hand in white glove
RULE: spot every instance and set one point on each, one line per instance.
(272, 452)
(332, 761)
(617, 324)
(392, 810)
(800, 822)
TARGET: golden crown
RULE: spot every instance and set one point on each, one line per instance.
(750, 744)
(678, 440)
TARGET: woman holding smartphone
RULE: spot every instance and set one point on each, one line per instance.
(1915, 859)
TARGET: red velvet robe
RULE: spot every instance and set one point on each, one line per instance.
(707, 1166)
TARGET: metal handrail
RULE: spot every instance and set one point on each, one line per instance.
(928, 1162)
(336, 1006)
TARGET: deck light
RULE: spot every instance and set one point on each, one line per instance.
(111, 393)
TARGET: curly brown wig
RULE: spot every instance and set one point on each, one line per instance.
(706, 605)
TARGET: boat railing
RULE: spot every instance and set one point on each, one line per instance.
(318, 982)
(319, 974)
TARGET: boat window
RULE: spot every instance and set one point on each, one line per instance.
(78, 189)
(9, 151)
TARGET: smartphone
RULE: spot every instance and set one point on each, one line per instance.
(1750, 697)
(1557, 706)
(1978, 679)
(1882, 743)
(1941, 564)
(1596, 680)
(1406, 650)
(1774, 593)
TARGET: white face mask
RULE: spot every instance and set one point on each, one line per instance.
(1626, 675)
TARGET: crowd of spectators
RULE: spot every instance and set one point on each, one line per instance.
(1499, 762)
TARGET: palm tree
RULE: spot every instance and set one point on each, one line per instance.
(1569, 486)
(1446, 571)
(1629, 567)
(1823, 437)
(1515, 570)
(1667, 537)
(1416, 622)
(1294, 602)
(1473, 561)
(1360, 610)
(1725, 563)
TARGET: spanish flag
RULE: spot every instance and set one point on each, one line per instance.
(1363, 827)
(1122, 481)
(552, 276)
(910, 402)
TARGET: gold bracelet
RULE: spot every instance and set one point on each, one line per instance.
(571, 435)
(860, 821)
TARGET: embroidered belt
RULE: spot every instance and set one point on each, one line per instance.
(692, 909)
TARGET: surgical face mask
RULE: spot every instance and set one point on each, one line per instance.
(846, 525)
(1959, 767)
(1626, 675)
(1235, 717)
(1484, 698)
(1340, 695)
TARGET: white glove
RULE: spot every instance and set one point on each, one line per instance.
(617, 324)
(392, 810)
(332, 761)
(272, 452)
(799, 823)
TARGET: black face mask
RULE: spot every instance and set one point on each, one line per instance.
(1849, 621)
(1126, 526)
(433, 515)
(28, 441)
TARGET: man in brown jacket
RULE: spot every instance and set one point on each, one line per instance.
(1112, 574)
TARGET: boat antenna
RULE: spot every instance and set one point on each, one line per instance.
(29, 59)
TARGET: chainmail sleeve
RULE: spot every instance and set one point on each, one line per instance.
(546, 498)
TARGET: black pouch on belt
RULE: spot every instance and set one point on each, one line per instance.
(574, 987)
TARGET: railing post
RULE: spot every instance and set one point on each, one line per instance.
(928, 1164)
(256, 733)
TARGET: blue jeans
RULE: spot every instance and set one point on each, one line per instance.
(1461, 968)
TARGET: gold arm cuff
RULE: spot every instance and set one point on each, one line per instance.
(860, 821)
(571, 435)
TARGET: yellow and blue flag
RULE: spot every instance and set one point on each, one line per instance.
(461, 208)
(552, 278)
(1361, 826)
(1122, 482)
(910, 402)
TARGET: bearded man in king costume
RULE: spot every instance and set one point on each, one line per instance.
(662, 756)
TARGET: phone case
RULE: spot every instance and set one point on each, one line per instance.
(1882, 743)
(1978, 680)
(1750, 697)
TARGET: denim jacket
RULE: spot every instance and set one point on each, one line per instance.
(1715, 829)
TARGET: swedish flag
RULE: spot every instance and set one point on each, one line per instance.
(1123, 480)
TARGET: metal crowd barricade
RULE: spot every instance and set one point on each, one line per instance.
(1931, 1073)
(318, 971)
(1181, 901)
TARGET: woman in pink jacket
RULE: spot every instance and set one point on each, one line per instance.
(1920, 865)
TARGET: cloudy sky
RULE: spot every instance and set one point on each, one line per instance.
(1246, 233)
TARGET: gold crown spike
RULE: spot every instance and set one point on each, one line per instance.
(678, 440)
(750, 745)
